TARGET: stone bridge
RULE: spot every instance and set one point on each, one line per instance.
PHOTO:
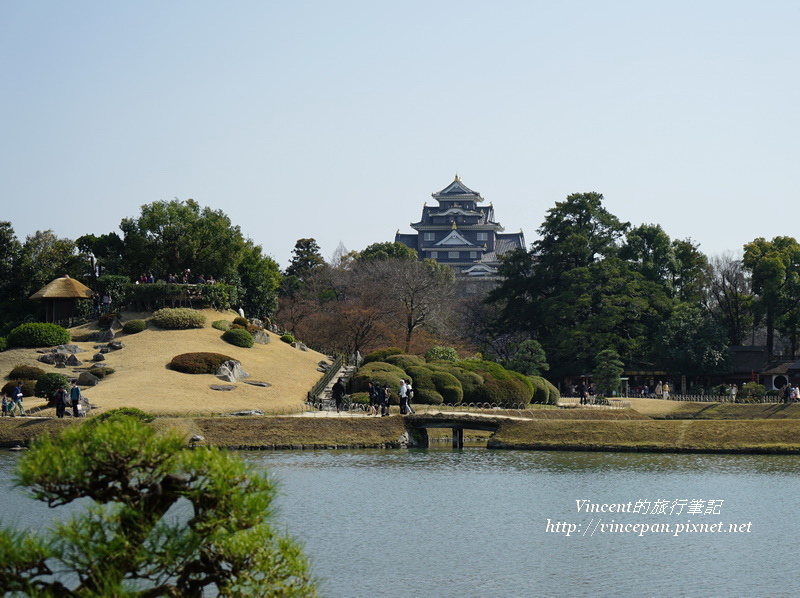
(417, 425)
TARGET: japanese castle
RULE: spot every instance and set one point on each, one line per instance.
(460, 233)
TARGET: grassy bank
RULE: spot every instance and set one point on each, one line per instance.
(736, 436)
(242, 432)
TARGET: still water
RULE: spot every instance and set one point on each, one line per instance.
(480, 523)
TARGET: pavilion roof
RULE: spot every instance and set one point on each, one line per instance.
(63, 288)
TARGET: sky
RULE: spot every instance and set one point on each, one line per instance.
(337, 120)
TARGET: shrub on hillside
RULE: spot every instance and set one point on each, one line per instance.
(544, 391)
(360, 398)
(287, 338)
(244, 322)
(381, 373)
(48, 384)
(3, 344)
(26, 372)
(470, 381)
(221, 325)
(238, 337)
(440, 353)
(28, 387)
(449, 387)
(38, 334)
(381, 354)
(178, 318)
(101, 372)
(134, 326)
(405, 361)
(425, 391)
(198, 363)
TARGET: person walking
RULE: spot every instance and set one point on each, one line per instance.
(4, 404)
(75, 397)
(374, 398)
(337, 392)
(16, 396)
(385, 394)
(409, 396)
(403, 394)
(61, 401)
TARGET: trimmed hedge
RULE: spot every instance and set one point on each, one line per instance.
(178, 318)
(381, 354)
(48, 384)
(198, 363)
(287, 338)
(119, 413)
(134, 326)
(405, 361)
(238, 337)
(38, 334)
(449, 387)
(26, 372)
(425, 391)
(544, 391)
(440, 353)
(244, 322)
(221, 325)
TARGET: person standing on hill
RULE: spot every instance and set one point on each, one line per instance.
(75, 398)
(337, 392)
(403, 394)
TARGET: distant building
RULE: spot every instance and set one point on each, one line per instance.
(462, 234)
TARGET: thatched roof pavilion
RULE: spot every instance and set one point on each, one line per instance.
(60, 296)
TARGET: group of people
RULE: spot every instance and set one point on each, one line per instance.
(379, 397)
(13, 404)
(74, 400)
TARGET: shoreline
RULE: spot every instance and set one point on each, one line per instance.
(253, 433)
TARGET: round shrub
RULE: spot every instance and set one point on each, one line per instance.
(178, 318)
(544, 391)
(360, 398)
(101, 372)
(28, 388)
(134, 326)
(38, 334)
(287, 338)
(26, 372)
(449, 387)
(381, 373)
(198, 363)
(238, 337)
(48, 384)
(244, 322)
(425, 391)
(440, 353)
(221, 325)
(470, 381)
(381, 354)
(405, 361)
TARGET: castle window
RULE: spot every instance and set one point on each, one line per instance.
(473, 255)
(452, 255)
(483, 236)
(434, 255)
(428, 236)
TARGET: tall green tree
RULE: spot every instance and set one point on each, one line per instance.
(608, 372)
(729, 298)
(775, 270)
(305, 257)
(691, 273)
(157, 520)
(690, 342)
(649, 249)
(384, 251)
(172, 236)
(260, 279)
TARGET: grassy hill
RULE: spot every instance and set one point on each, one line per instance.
(142, 379)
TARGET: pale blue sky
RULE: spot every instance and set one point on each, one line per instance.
(336, 120)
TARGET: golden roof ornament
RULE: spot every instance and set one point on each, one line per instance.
(457, 179)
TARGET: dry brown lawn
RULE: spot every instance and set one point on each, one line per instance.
(143, 380)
